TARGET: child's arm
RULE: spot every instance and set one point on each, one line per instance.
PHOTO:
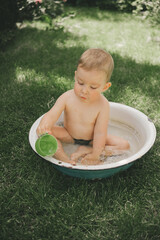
(100, 134)
(50, 118)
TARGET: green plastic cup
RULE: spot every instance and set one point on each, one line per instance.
(46, 145)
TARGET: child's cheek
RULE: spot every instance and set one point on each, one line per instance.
(76, 88)
(95, 93)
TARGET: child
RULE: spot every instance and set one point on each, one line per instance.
(86, 112)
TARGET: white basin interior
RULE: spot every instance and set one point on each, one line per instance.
(126, 122)
(138, 121)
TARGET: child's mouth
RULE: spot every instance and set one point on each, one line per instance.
(84, 98)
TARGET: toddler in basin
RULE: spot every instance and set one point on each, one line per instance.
(86, 112)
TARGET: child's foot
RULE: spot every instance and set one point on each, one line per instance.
(62, 156)
(65, 158)
(81, 151)
(91, 162)
(112, 151)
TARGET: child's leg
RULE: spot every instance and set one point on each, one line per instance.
(61, 155)
(115, 145)
(80, 152)
(62, 135)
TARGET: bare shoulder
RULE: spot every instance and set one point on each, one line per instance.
(60, 104)
(104, 103)
(65, 96)
(103, 116)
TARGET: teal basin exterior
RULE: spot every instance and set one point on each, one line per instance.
(94, 174)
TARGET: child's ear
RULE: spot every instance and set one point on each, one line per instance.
(107, 85)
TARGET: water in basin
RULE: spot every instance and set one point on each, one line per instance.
(117, 129)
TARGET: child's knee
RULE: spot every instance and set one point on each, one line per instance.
(53, 132)
(126, 145)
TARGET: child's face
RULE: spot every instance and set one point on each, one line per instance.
(90, 84)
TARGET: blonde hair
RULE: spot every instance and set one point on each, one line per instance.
(97, 59)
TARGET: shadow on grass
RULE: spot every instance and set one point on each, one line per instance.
(39, 67)
(34, 71)
(40, 57)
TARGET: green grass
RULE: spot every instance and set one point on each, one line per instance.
(37, 201)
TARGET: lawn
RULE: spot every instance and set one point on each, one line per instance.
(37, 201)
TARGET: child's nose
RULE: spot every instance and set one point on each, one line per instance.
(84, 89)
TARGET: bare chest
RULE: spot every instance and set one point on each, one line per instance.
(81, 115)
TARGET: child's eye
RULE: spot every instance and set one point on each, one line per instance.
(93, 87)
(80, 83)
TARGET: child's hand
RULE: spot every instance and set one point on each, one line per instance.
(90, 159)
(42, 130)
(45, 126)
